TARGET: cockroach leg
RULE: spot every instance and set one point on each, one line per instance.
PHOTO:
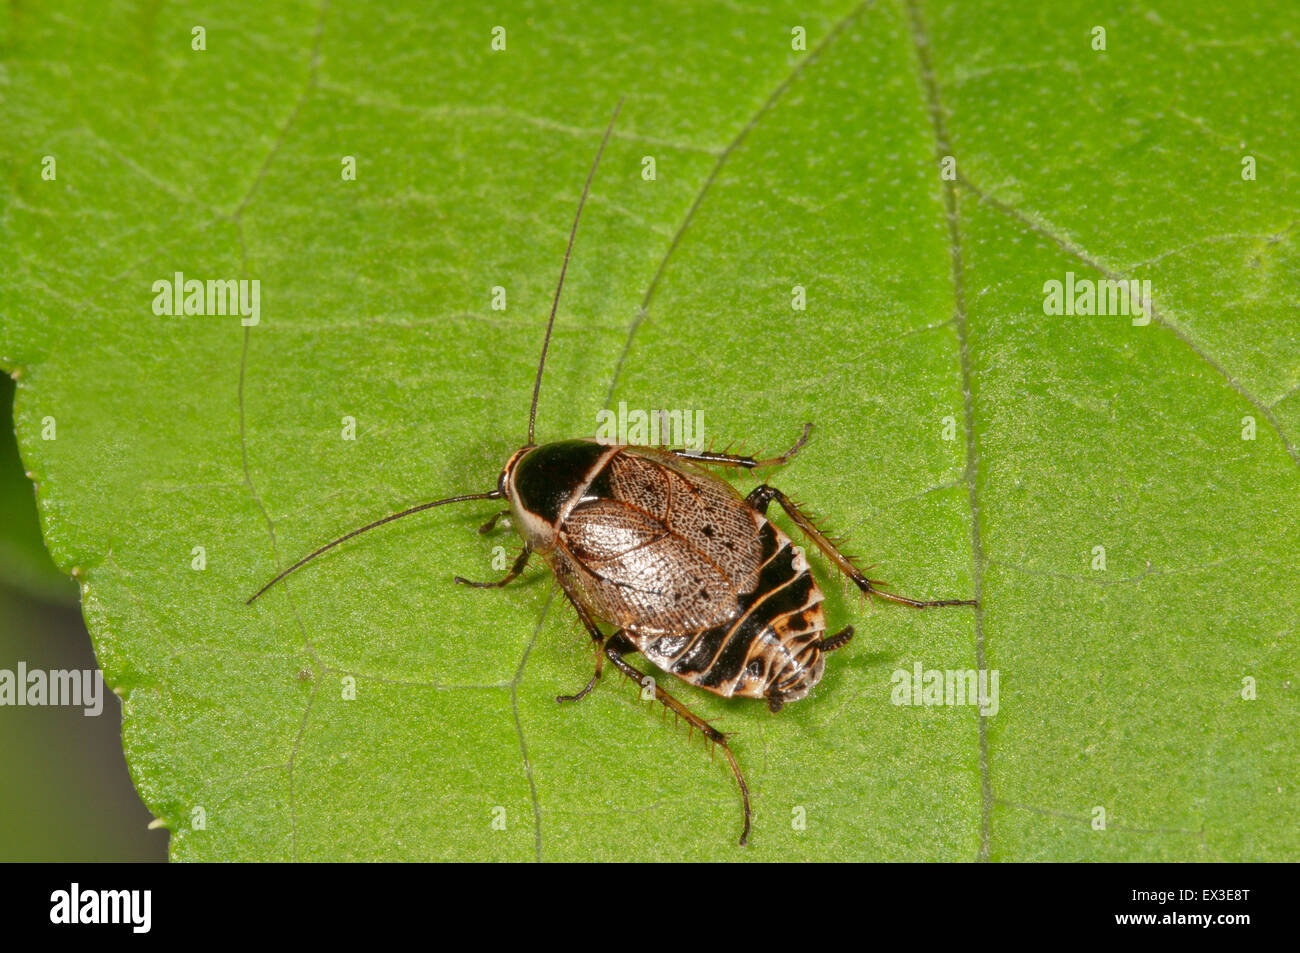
(764, 494)
(615, 648)
(737, 460)
(600, 664)
(488, 526)
(597, 637)
(515, 570)
(618, 645)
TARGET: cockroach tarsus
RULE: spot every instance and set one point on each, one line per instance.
(693, 576)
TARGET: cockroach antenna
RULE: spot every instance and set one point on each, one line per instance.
(573, 232)
(532, 413)
(493, 495)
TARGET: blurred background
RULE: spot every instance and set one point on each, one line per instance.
(65, 794)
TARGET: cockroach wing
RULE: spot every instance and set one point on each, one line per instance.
(658, 548)
(703, 511)
(632, 571)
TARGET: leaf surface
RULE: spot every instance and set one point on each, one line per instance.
(965, 441)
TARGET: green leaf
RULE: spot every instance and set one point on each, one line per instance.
(1120, 688)
(24, 562)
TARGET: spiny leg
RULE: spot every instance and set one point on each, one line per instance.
(515, 570)
(765, 494)
(596, 636)
(615, 648)
(737, 460)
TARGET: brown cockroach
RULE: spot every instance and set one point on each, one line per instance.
(691, 574)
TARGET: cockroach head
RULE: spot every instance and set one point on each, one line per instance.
(507, 473)
(544, 483)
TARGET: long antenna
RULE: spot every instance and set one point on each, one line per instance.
(546, 343)
(494, 495)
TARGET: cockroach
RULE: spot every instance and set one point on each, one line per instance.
(689, 573)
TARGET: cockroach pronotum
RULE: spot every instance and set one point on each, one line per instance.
(689, 573)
